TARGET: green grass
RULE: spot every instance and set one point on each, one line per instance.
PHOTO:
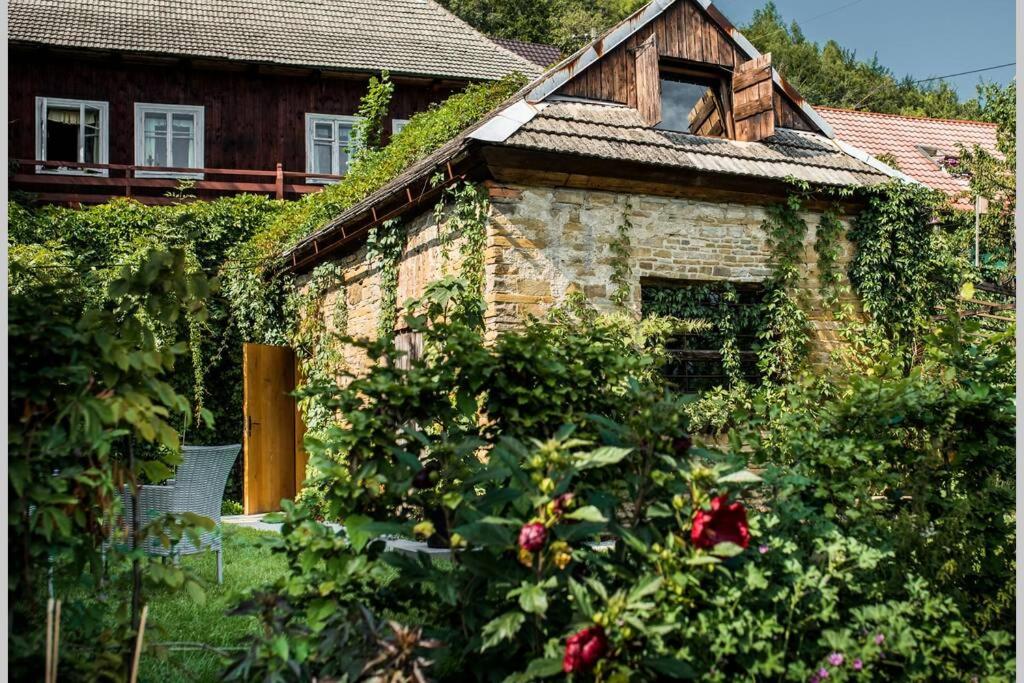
(175, 617)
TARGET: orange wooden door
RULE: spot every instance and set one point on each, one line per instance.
(270, 426)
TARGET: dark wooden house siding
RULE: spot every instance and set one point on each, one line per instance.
(684, 32)
(254, 116)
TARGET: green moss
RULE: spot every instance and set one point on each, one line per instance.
(373, 169)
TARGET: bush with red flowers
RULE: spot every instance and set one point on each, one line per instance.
(609, 549)
(583, 649)
(725, 522)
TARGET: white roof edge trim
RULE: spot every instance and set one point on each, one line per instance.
(560, 75)
(871, 161)
(502, 125)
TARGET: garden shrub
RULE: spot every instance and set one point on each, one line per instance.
(525, 454)
(89, 386)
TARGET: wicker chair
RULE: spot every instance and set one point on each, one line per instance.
(198, 487)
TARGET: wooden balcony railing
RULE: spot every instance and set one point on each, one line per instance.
(76, 183)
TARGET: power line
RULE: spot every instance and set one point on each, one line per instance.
(832, 11)
(964, 73)
(933, 78)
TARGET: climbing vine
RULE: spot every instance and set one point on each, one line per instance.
(620, 248)
(384, 247)
(902, 267)
(317, 335)
(785, 332)
(463, 213)
(826, 246)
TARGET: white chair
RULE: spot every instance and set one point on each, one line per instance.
(198, 487)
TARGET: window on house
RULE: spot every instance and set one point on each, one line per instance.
(71, 130)
(328, 144)
(171, 136)
(722, 352)
(691, 104)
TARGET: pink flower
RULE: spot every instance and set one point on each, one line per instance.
(584, 649)
(879, 639)
(822, 672)
(725, 522)
(533, 536)
(858, 665)
(836, 659)
(763, 549)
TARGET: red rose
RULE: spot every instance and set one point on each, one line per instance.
(583, 649)
(532, 537)
(725, 522)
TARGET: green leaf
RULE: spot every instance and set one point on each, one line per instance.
(670, 668)
(587, 513)
(727, 549)
(502, 628)
(533, 599)
(601, 457)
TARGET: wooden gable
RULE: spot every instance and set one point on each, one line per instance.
(684, 32)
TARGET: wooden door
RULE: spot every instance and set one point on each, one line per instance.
(270, 426)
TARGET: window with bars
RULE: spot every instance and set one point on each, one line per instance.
(724, 352)
(171, 136)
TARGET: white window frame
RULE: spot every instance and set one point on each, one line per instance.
(199, 117)
(104, 126)
(398, 124)
(334, 119)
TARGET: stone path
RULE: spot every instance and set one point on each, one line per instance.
(401, 545)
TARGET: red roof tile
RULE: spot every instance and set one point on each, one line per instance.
(538, 53)
(909, 139)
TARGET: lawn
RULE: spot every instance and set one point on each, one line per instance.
(175, 617)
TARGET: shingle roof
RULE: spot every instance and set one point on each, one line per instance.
(911, 141)
(538, 53)
(405, 36)
(620, 134)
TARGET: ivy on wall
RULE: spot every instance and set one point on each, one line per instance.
(384, 247)
(785, 332)
(463, 212)
(903, 265)
(826, 246)
(621, 259)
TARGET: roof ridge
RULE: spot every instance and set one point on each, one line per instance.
(483, 35)
(907, 116)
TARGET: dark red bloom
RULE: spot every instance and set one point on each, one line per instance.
(562, 503)
(584, 649)
(532, 536)
(725, 522)
(682, 445)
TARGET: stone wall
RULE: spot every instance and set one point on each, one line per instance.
(544, 243)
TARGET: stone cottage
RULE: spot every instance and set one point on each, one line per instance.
(671, 121)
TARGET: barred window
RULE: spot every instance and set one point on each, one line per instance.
(723, 353)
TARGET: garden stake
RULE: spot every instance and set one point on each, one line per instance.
(56, 643)
(138, 644)
(49, 637)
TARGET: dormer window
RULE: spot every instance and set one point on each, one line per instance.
(690, 104)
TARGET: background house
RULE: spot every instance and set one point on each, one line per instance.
(237, 95)
(917, 146)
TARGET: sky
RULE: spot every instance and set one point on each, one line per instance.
(923, 38)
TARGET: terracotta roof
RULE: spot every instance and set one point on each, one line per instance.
(538, 53)
(620, 134)
(411, 37)
(917, 144)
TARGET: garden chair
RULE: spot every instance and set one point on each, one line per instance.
(198, 487)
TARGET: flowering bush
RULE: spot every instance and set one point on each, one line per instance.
(606, 545)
